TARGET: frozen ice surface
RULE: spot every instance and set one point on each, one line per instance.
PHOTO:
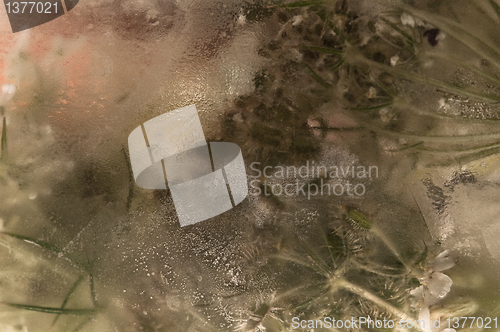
(87, 80)
(461, 211)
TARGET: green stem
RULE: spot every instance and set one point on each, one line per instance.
(406, 74)
(445, 139)
(315, 75)
(300, 262)
(3, 155)
(49, 310)
(388, 243)
(405, 105)
(370, 108)
(395, 27)
(80, 326)
(30, 254)
(361, 292)
(470, 157)
(93, 292)
(310, 300)
(464, 65)
(459, 151)
(73, 288)
(326, 50)
(300, 4)
(317, 260)
(406, 147)
(35, 242)
(131, 185)
(456, 30)
(41, 244)
(374, 270)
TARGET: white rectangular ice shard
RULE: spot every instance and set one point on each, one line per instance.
(201, 199)
(188, 165)
(177, 149)
(228, 156)
(174, 132)
(237, 179)
(152, 178)
(138, 150)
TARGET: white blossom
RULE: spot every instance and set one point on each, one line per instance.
(242, 19)
(435, 286)
(407, 20)
(443, 261)
(394, 60)
(296, 20)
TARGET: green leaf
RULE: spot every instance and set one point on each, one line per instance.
(358, 218)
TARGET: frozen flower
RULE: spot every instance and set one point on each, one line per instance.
(242, 19)
(385, 116)
(394, 60)
(296, 20)
(313, 123)
(372, 93)
(443, 261)
(295, 55)
(438, 285)
(442, 103)
(8, 92)
(411, 21)
(435, 285)
(238, 118)
(407, 20)
(425, 316)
